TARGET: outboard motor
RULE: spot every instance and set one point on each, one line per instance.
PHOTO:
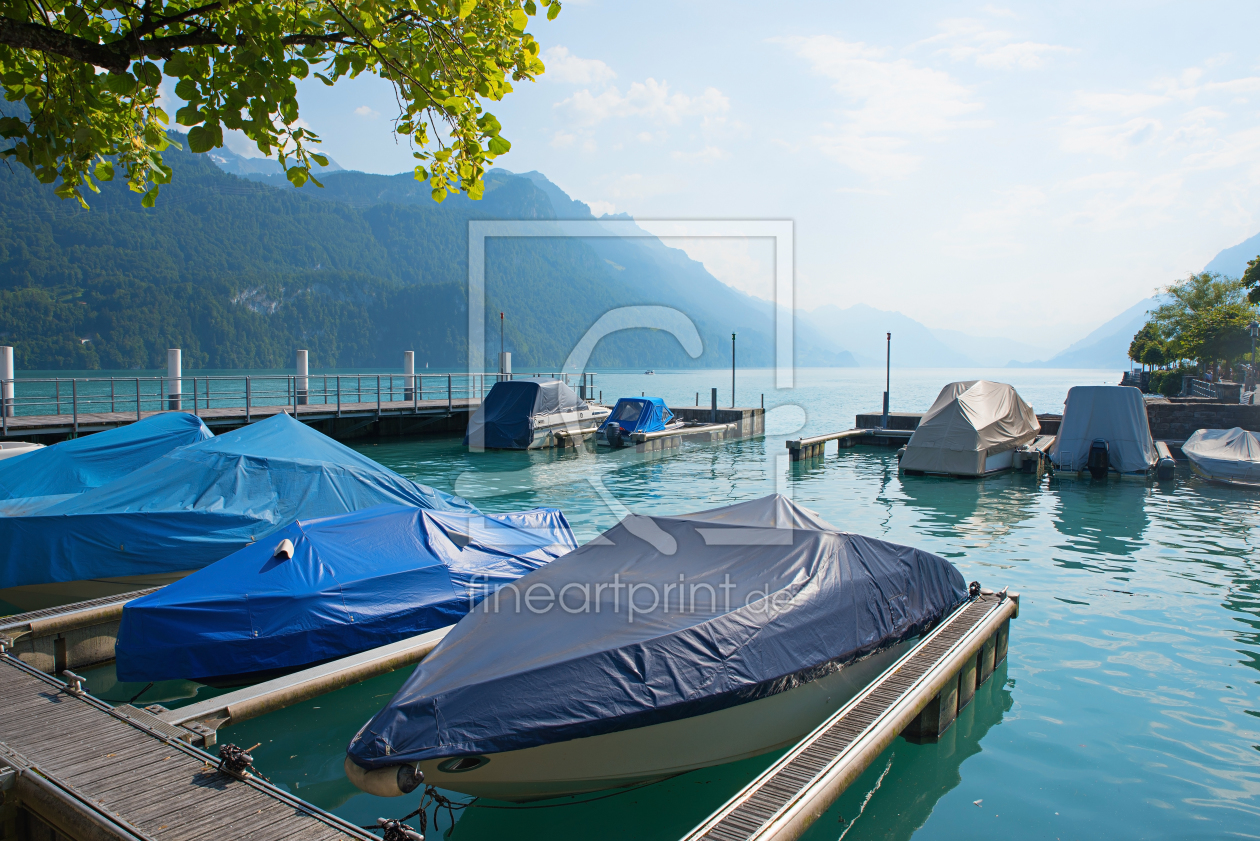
(1099, 461)
(613, 432)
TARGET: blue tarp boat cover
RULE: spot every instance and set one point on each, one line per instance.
(355, 581)
(639, 414)
(80, 464)
(660, 619)
(200, 503)
(505, 419)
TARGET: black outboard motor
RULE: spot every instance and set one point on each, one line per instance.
(1099, 461)
(613, 432)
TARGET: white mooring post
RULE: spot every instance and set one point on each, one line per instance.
(6, 374)
(409, 375)
(303, 372)
(505, 366)
(174, 372)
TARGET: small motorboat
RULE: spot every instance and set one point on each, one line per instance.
(649, 372)
(664, 645)
(9, 449)
(200, 503)
(972, 429)
(323, 589)
(634, 414)
(1229, 456)
(527, 414)
(1104, 430)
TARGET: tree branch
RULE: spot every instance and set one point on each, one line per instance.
(28, 36)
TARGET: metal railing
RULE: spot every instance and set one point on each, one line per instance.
(75, 397)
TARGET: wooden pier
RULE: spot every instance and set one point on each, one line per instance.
(73, 767)
(918, 696)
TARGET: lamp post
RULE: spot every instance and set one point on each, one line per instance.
(887, 377)
(732, 370)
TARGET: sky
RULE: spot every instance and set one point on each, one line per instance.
(1011, 169)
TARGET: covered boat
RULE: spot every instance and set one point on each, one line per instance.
(200, 503)
(339, 585)
(634, 414)
(1109, 421)
(666, 644)
(1225, 455)
(972, 429)
(80, 464)
(524, 414)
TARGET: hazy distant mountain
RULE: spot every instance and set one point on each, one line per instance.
(229, 161)
(861, 330)
(990, 351)
(1106, 347)
(1232, 262)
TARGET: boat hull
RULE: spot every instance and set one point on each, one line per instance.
(544, 433)
(643, 754)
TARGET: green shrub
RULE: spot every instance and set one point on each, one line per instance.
(1167, 383)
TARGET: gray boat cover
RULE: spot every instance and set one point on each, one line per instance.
(506, 419)
(969, 422)
(1114, 413)
(660, 619)
(1230, 455)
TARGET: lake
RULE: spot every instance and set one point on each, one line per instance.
(1129, 705)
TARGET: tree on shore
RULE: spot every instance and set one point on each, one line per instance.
(89, 71)
(1205, 318)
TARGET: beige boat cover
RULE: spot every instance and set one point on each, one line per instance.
(969, 422)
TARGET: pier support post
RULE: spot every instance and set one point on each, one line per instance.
(1003, 641)
(967, 681)
(174, 372)
(937, 716)
(302, 383)
(713, 407)
(987, 662)
(409, 375)
(6, 375)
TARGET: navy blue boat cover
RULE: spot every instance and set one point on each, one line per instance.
(200, 503)
(639, 414)
(505, 419)
(750, 600)
(355, 581)
(77, 465)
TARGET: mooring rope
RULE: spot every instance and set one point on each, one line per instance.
(397, 829)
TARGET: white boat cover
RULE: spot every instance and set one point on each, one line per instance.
(969, 422)
(1230, 455)
(1114, 413)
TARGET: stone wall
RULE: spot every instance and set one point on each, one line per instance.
(1178, 421)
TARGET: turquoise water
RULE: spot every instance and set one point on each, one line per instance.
(1129, 705)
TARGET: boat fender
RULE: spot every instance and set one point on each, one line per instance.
(901, 453)
(390, 781)
(284, 549)
(1099, 461)
(1165, 469)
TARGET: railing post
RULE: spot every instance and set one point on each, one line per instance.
(450, 385)
(174, 373)
(294, 391)
(6, 389)
(112, 408)
(137, 398)
(74, 404)
(57, 393)
(339, 395)
(247, 400)
(195, 398)
(378, 396)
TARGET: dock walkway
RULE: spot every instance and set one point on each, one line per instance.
(920, 695)
(90, 771)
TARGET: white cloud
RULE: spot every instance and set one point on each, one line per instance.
(997, 230)
(889, 101)
(650, 100)
(1115, 141)
(1124, 104)
(564, 66)
(562, 140)
(1025, 55)
(365, 111)
(705, 155)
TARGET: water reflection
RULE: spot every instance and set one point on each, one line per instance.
(1099, 519)
(982, 512)
(895, 795)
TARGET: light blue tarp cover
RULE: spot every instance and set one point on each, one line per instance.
(200, 503)
(794, 599)
(355, 581)
(74, 466)
(639, 414)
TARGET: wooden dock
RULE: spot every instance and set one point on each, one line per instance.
(67, 637)
(919, 695)
(72, 766)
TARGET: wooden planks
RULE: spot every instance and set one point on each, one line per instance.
(137, 779)
(788, 796)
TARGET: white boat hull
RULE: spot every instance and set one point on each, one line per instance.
(626, 757)
(9, 449)
(545, 427)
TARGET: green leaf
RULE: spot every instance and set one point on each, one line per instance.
(297, 175)
(148, 73)
(498, 146)
(150, 198)
(553, 10)
(466, 8)
(519, 20)
(322, 160)
(200, 139)
(104, 171)
(530, 8)
(187, 90)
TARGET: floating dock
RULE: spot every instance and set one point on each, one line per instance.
(918, 696)
(73, 767)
